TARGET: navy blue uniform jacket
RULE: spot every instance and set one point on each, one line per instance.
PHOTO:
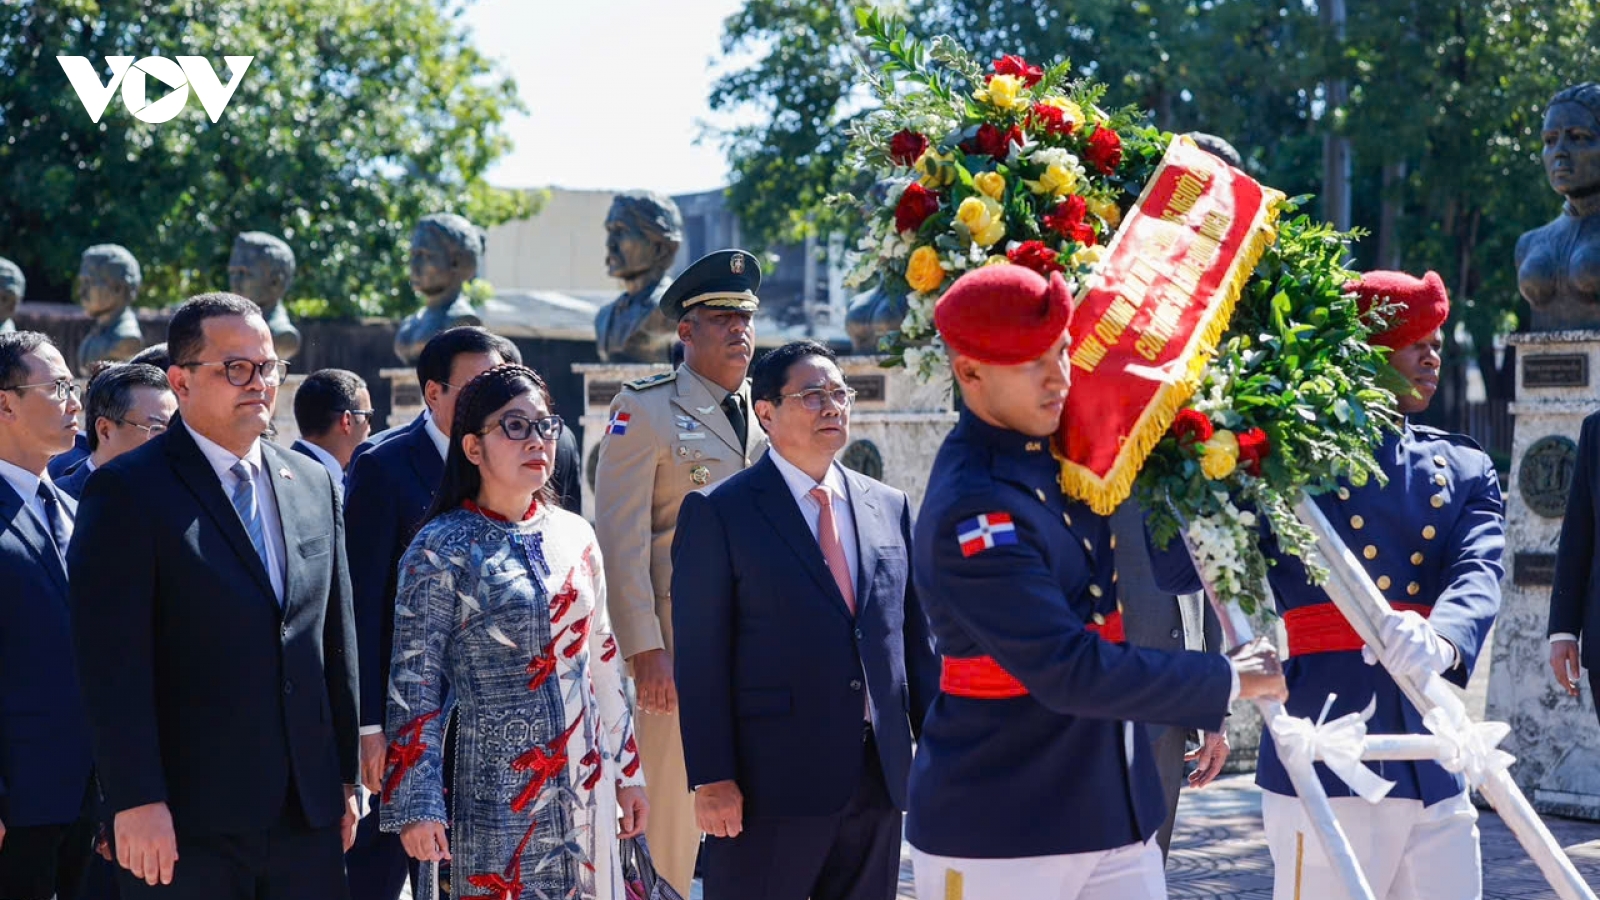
(772, 668)
(1432, 536)
(1047, 773)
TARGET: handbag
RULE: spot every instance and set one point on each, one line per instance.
(639, 873)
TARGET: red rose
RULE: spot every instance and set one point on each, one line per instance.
(1067, 220)
(906, 147)
(1104, 150)
(1192, 427)
(992, 142)
(1052, 119)
(916, 205)
(1254, 446)
(1036, 256)
(1016, 65)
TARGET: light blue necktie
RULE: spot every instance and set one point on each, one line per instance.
(244, 502)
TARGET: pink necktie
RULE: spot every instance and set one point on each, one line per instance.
(832, 550)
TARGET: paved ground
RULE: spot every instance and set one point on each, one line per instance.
(1218, 852)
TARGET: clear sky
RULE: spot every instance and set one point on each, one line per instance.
(614, 89)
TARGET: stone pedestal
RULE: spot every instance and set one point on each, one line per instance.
(285, 430)
(1554, 737)
(895, 429)
(405, 397)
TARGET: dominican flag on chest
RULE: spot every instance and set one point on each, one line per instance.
(618, 423)
(982, 532)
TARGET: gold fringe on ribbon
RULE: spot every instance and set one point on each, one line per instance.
(1104, 495)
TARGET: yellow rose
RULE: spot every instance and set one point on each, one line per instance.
(1107, 210)
(1089, 255)
(1221, 455)
(1003, 92)
(991, 184)
(1058, 181)
(1073, 112)
(996, 260)
(984, 219)
(923, 271)
(938, 170)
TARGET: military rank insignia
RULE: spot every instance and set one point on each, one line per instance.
(983, 532)
(618, 423)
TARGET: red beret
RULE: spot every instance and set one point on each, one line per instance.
(1424, 305)
(1003, 315)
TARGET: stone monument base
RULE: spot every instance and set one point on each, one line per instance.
(285, 430)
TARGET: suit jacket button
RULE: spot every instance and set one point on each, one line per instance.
(1176, 633)
(855, 685)
(859, 635)
(288, 687)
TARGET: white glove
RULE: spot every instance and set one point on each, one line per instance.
(1414, 649)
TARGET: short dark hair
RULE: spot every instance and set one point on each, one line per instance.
(110, 394)
(14, 346)
(770, 372)
(154, 355)
(323, 397)
(185, 332)
(443, 348)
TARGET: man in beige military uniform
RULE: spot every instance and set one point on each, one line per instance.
(668, 435)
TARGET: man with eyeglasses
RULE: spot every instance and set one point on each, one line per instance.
(334, 413)
(46, 820)
(218, 652)
(804, 663)
(127, 405)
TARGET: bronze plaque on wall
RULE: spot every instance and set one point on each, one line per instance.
(1556, 370)
(1533, 569)
(601, 393)
(863, 456)
(1546, 475)
(869, 388)
(407, 394)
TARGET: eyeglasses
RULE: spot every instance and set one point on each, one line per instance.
(241, 372)
(519, 427)
(64, 388)
(149, 430)
(811, 399)
(361, 413)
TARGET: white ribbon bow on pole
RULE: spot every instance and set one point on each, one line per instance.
(1337, 744)
(1474, 746)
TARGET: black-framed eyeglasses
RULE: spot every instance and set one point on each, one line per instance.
(149, 430)
(519, 427)
(64, 387)
(361, 413)
(241, 372)
(811, 399)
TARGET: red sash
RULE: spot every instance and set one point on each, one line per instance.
(1321, 628)
(981, 678)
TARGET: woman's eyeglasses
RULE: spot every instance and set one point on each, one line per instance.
(519, 427)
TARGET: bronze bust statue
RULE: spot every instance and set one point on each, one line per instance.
(12, 287)
(1558, 264)
(446, 251)
(643, 232)
(108, 280)
(261, 269)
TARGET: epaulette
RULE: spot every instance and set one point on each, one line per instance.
(1451, 437)
(660, 378)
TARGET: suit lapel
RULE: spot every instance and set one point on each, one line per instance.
(192, 468)
(425, 460)
(871, 532)
(28, 528)
(778, 506)
(295, 498)
(695, 399)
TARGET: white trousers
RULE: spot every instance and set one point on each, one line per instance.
(1133, 872)
(1408, 851)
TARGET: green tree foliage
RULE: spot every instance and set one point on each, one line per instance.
(356, 118)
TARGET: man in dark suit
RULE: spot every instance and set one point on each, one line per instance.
(804, 665)
(390, 488)
(216, 640)
(126, 405)
(1575, 598)
(333, 411)
(46, 826)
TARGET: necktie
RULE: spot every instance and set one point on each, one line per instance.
(54, 519)
(832, 549)
(735, 412)
(244, 502)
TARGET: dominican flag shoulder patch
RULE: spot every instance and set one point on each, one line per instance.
(980, 533)
(618, 423)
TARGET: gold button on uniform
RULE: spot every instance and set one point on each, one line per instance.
(1440, 461)
(1096, 592)
(1067, 518)
(1099, 619)
(1437, 500)
(1088, 546)
(1114, 577)
(1413, 589)
(1040, 493)
(1440, 480)
(1357, 522)
(1113, 542)
(1384, 582)
(1416, 559)
(1344, 493)
(1370, 552)
(1428, 532)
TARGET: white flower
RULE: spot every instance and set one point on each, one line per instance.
(1056, 156)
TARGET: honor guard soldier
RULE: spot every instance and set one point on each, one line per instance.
(1034, 777)
(668, 435)
(1431, 539)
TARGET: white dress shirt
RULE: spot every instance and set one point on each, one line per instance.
(222, 462)
(26, 484)
(326, 458)
(800, 485)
